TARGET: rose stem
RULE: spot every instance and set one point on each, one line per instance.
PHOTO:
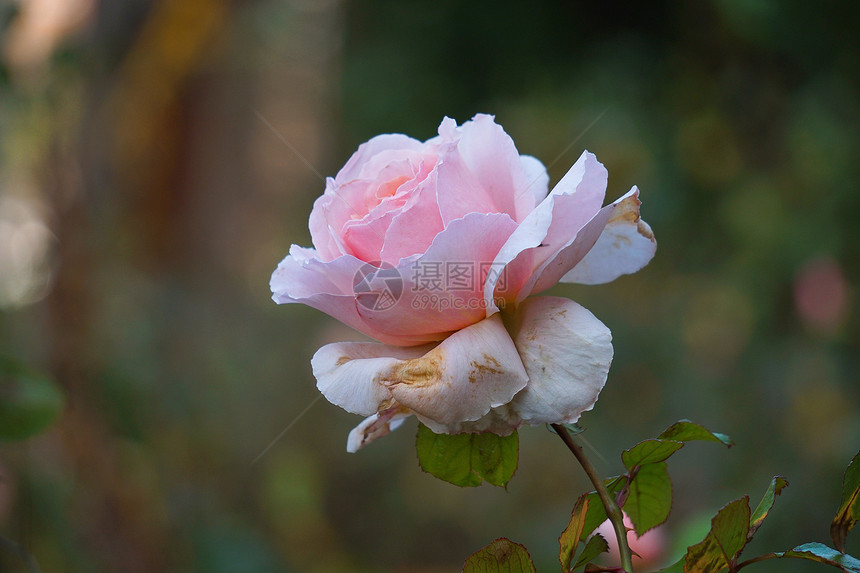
(612, 510)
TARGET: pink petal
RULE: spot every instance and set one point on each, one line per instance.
(625, 246)
(364, 239)
(493, 159)
(329, 213)
(328, 286)
(458, 192)
(358, 161)
(344, 197)
(551, 271)
(461, 379)
(537, 177)
(413, 229)
(435, 308)
(549, 228)
(566, 352)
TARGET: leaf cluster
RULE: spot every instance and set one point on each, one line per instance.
(644, 493)
(734, 526)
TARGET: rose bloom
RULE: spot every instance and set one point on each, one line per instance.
(421, 245)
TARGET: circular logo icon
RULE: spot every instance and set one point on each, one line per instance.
(377, 286)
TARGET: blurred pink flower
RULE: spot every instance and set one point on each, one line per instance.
(821, 294)
(41, 26)
(648, 551)
(419, 245)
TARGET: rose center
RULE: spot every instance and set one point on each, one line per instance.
(385, 191)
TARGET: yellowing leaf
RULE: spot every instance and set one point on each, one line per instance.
(777, 484)
(500, 556)
(849, 508)
(569, 538)
(724, 542)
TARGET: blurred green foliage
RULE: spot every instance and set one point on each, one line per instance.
(143, 205)
(29, 401)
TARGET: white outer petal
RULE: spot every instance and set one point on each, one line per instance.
(470, 372)
(566, 352)
(348, 373)
(625, 246)
(458, 380)
(374, 427)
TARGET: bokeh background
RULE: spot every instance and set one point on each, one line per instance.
(157, 159)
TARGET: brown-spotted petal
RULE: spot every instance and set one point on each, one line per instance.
(351, 374)
(566, 352)
(625, 246)
(376, 426)
(470, 372)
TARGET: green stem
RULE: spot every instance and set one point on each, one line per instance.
(764, 557)
(613, 512)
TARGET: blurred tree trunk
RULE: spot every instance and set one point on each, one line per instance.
(131, 142)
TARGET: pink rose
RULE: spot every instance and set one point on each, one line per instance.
(417, 243)
(649, 550)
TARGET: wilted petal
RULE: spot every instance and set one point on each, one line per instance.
(349, 374)
(458, 380)
(501, 420)
(376, 426)
(461, 379)
(549, 272)
(625, 246)
(566, 352)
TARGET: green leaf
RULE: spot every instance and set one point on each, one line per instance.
(687, 431)
(650, 498)
(649, 452)
(569, 538)
(824, 554)
(595, 546)
(777, 484)
(596, 512)
(495, 457)
(500, 556)
(849, 508)
(725, 540)
(29, 401)
(468, 459)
